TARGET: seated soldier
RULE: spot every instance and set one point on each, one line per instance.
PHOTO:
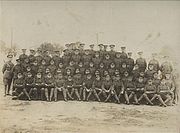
(43, 66)
(116, 90)
(29, 85)
(149, 91)
(96, 59)
(60, 86)
(118, 60)
(18, 85)
(81, 67)
(101, 68)
(123, 68)
(92, 68)
(49, 86)
(164, 94)
(78, 84)
(86, 57)
(106, 86)
(67, 72)
(39, 86)
(89, 87)
(135, 72)
(72, 66)
(129, 86)
(106, 61)
(69, 85)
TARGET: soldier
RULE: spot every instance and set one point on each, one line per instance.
(76, 56)
(101, 68)
(29, 85)
(107, 60)
(105, 48)
(23, 56)
(81, 48)
(141, 62)
(111, 69)
(149, 91)
(49, 86)
(118, 60)
(52, 67)
(78, 84)
(25, 64)
(68, 73)
(72, 66)
(123, 68)
(39, 57)
(47, 57)
(92, 68)
(66, 57)
(156, 81)
(163, 93)
(97, 84)
(18, 85)
(106, 87)
(81, 67)
(92, 50)
(89, 87)
(69, 85)
(17, 69)
(39, 86)
(28, 70)
(123, 53)
(96, 59)
(86, 58)
(7, 74)
(149, 73)
(60, 86)
(166, 66)
(112, 51)
(61, 67)
(31, 56)
(56, 57)
(154, 62)
(101, 52)
(43, 66)
(135, 72)
(129, 86)
(34, 68)
(116, 88)
(130, 62)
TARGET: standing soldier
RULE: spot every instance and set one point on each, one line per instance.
(47, 57)
(7, 74)
(23, 56)
(42, 67)
(111, 69)
(35, 67)
(31, 56)
(66, 57)
(141, 62)
(52, 67)
(16, 69)
(39, 56)
(56, 57)
(86, 58)
(149, 73)
(105, 48)
(166, 66)
(107, 60)
(123, 53)
(112, 51)
(101, 52)
(91, 50)
(96, 59)
(130, 62)
(118, 60)
(81, 48)
(76, 57)
(154, 62)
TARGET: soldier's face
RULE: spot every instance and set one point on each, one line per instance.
(52, 62)
(71, 63)
(19, 76)
(168, 76)
(126, 74)
(49, 75)
(47, 70)
(77, 71)
(39, 75)
(112, 65)
(80, 64)
(87, 71)
(60, 76)
(150, 82)
(98, 77)
(60, 65)
(107, 56)
(29, 75)
(89, 77)
(28, 69)
(23, 51)
(111, 48)
(68, 72)
(96, 55)
(91, 64)
(101, 65)
(43, 62)
(155, 75)
(123, 65)
(35, 63)
(108, 77)
(140, 80)
(163, 82)
(117, 72)
(151, 67)
(118, 55)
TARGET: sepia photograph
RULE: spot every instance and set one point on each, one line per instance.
(89, 66)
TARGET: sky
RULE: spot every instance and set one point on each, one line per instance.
(140, 26)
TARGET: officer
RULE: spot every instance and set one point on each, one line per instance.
(81, 48)
(107, 60)
(111, 69)
(56, 57)
(141, 62)
(47, 57)
(105, 48)
(17, 69)
(150, 72)
(7, 74)
(123, 53)
(112, 51)
(130, 62)
(52, 66)
(35, 67)
(23, 56)
(154, 62)
(39, 56)
(31, 56)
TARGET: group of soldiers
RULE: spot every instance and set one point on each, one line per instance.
(86, 74)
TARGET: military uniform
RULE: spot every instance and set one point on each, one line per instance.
(112, 53)
(39, 85)
(17, 69)
(118, 60)
(86, 58)
(22, 57)
(166, 67)
(31, 57)
(57, 59)
(96, 60)
(130, 62)
(123, 53)
(76, 56)
(141, 62)
(66, 57)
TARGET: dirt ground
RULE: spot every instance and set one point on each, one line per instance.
(85, 117)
